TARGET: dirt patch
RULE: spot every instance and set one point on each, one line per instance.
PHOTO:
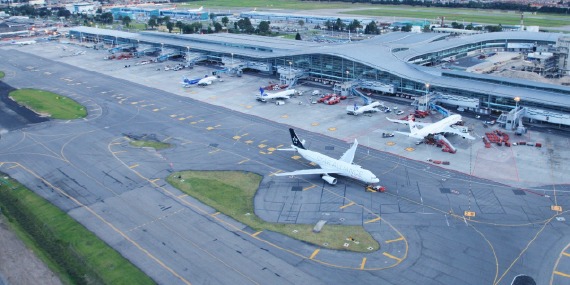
(18, 264)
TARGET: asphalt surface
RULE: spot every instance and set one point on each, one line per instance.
(87, 168)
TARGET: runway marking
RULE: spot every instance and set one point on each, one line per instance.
(284, 116)
(394, 240)
(363, 263)
(154, 180)
(391, 256)
(313, 164)
(236, 138)
(181, 119)
(347, 205)
(14, 166)
(209, 128)
(120, 151)
(214, 151)
(173, 116)
(134, 165)
(215, 214)
(562, 274)
(245, 160)
(309, 187)
(566, 254)
(372, 221)
(410, 149)
(273, 173)
(166, 139)
(1, 163)
(256, 233)
(261, 145)
(332, 129)
(314, 253)
(155, 110)
(314, 124)
(556, 208)
(469, 214)
(279, 146)
(248, 142)
(295, 157)
(182, 196)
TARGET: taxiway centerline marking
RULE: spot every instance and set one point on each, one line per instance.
(120, 151)
(245, 160)
(372, 221)
(154, 180)
(256, 233)
(562, 274)
(181, 196)
(309, 187)
(347, 205)
(363, 263)
(391, 256)
(133, 166)
(215, 214)
(273, 173)
(393, 240)
(566, 254)
(13, 166)
(314, 253)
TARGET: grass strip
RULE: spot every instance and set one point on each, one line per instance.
(154, 144)
(48, 103)
(2, 74)
(68, 248)
(232, 192)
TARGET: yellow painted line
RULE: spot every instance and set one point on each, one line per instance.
(363, 263)
(214, 151)
(410, 149)
(332, 129)
(255, 234)
(309, 187)
(314, 253)
(391, 256)
(562, 274)
(14, 166)
(245, 160)
(182, 196)
(390, 143)
(173, 116)
(248, 142)
(115, 143)
(271, 149)
(273, 173)
(279, 146)
(261, 145)
(1, 163)
(295, 157)
(215, 214)
(133, 166)
(393, 240)
(469, 214)
(556, 208)
(566, 254)
(236, 137)
(155, 110)
(120, 151)
(285, 116)
(181, 119)
(313, 164)
(166, 139)
(314, 124)
(372, 221)
(193, 123)
(209, 128)
(217, 126)
(245, 134)
(347, 205)
(154, 180)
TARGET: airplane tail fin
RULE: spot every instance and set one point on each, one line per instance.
(295, 139)
(261, 91)
(413, 126)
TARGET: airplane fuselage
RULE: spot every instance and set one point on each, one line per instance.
(436, 128)
(347, 169)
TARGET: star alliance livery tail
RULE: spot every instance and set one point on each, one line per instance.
(295, 139)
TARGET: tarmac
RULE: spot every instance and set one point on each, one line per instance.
(436, 224)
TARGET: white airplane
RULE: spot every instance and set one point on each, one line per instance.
(206, 80)
(442, 126)
(329, 165)
(23, 43)
(196, 10)
(370, 108)
(285, 94)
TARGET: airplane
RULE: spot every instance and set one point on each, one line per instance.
(189, 82)
(285, 94)
(329, 165)
(370, 108)
(442, 126)
(23, 43)
(196, 10)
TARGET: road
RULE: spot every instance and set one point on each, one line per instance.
(87, 168)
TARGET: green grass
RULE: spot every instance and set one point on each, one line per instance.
(154, 144)
(461, 15)
(288, 36)
(2, 74)
(275, 4)
(232, 192)
(67, 248)
(48, 103)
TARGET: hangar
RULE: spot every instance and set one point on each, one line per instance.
(394, 64)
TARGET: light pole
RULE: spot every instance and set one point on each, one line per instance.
(517, 99)
(347, 73)
(427, 88)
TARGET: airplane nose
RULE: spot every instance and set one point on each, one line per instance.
(375, 180)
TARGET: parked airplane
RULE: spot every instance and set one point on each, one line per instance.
(440, 127)
(370, 108)
(23, 43)
(329, 165)
(196, 10)
(285, 94)
(189, 82)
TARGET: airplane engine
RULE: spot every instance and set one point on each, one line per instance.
(329, 179)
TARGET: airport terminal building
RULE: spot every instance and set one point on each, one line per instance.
(397, 64)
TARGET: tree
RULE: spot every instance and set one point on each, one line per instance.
(169, 26)
(106, 18)
(339, 25)
(179, 25)
(426, 29)
(329, 24)
(63, 13)
(152, 23)
(264, 27)
(354, 25)
(225, 21)
(371, 28)
(245, 25)
(298, 36)
(166, 19)
(301, 23)
(407, 28)
(126, 21)
(217, 27)
(469, 27)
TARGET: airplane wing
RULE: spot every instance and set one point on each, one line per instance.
(308, 171)
(348, 156)
(406, 122)
(457, 132)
